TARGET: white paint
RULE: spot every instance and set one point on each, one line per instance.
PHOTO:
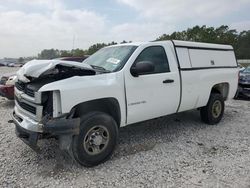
(160, 99)
(204, 58)
(183, 57)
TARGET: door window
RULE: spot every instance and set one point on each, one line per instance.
(156, 55)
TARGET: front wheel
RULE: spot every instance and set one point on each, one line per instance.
(97, 139)
(213, 112)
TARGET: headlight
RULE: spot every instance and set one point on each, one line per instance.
(47, 102)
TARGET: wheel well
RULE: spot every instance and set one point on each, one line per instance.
(222, 88)
(107, 105)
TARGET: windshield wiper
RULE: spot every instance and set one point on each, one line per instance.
(99, 68)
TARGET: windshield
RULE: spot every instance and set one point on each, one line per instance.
(111, 58)
(247, 70)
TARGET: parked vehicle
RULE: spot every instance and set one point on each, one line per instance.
(244, 84)
(19, 64)
(11, 64)
(7, 86)
(85, 104)
(241, 68)
(4, 78)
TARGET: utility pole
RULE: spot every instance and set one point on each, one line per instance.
(73, 45)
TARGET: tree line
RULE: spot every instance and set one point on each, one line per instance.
(220, 35)
(55, 53)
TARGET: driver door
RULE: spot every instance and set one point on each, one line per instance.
(152, 94)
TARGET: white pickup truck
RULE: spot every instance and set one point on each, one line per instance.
(85, 104)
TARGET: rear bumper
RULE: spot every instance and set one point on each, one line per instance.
(30, 132)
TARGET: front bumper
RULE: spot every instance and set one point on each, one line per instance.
(30, 131)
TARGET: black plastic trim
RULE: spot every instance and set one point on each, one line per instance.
(202, 68)
(179, 68)
(57, 127)
(63, 126)
(28, 137)
(203, 48)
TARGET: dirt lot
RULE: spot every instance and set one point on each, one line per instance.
(175, 151)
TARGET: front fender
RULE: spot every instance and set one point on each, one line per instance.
(79, 89)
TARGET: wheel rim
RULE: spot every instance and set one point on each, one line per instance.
(216, 109)
(96, 140)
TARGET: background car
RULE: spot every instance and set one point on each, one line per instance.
(244, 83)
(241, 68)
(11, 64)
(7, 86)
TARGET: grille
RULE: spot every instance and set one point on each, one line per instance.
(30, 92)
(21, 87)
(26, 106)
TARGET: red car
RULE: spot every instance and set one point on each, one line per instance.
(7, 86)
(7, 91)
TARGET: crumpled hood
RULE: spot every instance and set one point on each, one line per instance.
(36, 68)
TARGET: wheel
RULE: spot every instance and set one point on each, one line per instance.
(97, 139)
(213, 112)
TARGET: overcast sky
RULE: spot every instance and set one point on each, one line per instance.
(28, 26)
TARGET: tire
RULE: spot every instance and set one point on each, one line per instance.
(213, 112)
(90, 148)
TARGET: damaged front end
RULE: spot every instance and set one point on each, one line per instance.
(63, 129)
(37, 115)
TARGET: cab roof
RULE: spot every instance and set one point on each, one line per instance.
(183, 44)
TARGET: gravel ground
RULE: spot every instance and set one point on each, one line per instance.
(174, 151)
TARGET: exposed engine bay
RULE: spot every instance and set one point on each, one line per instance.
(29, 83)
(60, 72)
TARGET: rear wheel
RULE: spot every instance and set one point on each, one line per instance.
(97, 139)
(213, 112)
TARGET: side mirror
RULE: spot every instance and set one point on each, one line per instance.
(142, 67)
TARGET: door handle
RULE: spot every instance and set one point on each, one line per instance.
(168, 81)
